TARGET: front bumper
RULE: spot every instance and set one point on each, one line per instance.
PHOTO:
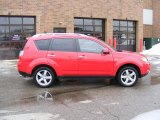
(146, 69)
(145, 74)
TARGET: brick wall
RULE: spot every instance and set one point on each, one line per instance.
(156, 18)
(152, 31)
(147, 29)
(61, 13)
(147, 4)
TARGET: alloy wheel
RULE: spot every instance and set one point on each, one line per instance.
(43, 77)
(128, 77)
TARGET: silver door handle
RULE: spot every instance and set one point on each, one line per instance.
(51, 55)
(81, 56)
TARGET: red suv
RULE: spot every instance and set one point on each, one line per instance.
(46, 57)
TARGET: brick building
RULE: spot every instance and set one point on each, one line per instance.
(103, 19)
(152, 30)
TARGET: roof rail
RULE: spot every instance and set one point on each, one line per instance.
(54, 34)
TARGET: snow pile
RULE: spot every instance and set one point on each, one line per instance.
(152, 115)
(155, 50)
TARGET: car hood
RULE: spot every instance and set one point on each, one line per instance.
(130, 54)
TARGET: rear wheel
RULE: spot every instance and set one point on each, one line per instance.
(127, 76)
(44, 77)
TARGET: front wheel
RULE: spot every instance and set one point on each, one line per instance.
(44, 77)
(127, 76)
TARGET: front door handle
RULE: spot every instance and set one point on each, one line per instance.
(51, 55)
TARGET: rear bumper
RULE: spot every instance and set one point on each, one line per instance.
(23, 68)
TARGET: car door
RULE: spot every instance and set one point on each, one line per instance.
(62, 53)
(91, 60)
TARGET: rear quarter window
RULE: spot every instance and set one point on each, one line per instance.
(63, 44)
(42, 44)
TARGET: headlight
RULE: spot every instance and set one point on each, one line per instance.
(144, 59)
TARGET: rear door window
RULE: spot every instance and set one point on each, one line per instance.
(43, 44)
(63, 44)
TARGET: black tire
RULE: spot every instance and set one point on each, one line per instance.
(127, 79)
(44, 77)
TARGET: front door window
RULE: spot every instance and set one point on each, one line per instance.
(90, 46)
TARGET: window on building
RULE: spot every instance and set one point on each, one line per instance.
(16, 28)
(59, 30)
(63, 44)
(125, 33)
(91, 27)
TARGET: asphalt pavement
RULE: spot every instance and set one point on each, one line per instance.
(76, 99)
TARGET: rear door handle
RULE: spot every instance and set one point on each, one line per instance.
(82, 56)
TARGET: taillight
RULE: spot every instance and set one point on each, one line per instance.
(21, 53)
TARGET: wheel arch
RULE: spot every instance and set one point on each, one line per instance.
(130, 65)
(43, 65)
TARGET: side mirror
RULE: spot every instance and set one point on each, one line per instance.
(105, 51)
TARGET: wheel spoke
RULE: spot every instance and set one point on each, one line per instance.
(48, 77)
(39, 74)
(126, 81)
(45, 81)
(40, 80)
(45, 73)
(132, 74)
(123, 76)
(132, 79)
(127, 72)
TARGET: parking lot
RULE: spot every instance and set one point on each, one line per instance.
(77, 99)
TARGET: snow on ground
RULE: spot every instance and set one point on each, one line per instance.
(153, 54)
(155, 50)
(152, 115)
(31, 116)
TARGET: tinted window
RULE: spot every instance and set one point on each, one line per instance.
(43, 44)
(90, 46)
(62, 44)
